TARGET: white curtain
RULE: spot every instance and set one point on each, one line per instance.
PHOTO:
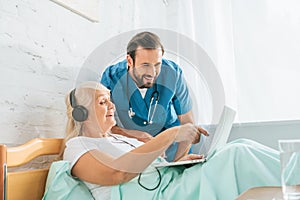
(255, 47)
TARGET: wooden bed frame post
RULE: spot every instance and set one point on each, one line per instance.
(3, 169)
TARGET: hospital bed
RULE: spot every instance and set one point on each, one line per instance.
(30, 183)
(27, 183)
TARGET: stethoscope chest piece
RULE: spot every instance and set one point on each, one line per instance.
(131, 113)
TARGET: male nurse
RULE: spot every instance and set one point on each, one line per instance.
(149, 92)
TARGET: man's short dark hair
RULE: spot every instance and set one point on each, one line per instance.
(146, 40)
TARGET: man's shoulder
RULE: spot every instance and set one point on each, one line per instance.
(119, 67)
(170, 68)
(171, 65)
(113, 73)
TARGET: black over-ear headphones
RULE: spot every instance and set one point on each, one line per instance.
(79, 113)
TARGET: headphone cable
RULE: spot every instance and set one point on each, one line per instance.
(150, 189)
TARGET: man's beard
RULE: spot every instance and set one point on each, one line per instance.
(140, 80)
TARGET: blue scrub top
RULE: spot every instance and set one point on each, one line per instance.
(170, 88)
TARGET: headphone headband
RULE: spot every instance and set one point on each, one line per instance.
(79, 113)
(72, 98)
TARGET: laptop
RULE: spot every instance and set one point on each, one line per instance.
(212, 142)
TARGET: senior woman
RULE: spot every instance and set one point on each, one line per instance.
(117, 167)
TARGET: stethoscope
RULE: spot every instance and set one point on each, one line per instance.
(150, 115)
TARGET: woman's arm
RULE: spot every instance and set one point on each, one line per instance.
(100, 168)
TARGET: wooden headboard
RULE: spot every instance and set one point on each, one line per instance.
(29, 183)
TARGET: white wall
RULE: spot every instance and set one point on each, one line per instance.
(43, 46)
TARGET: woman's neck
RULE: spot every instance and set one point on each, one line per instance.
(94, 133)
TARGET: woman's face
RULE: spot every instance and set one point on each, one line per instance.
(104, 111)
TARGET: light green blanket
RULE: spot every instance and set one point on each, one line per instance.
(239, 165)
(61, 185)
(230, 171)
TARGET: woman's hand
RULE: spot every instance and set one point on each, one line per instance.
(190, 132)
(191, 157)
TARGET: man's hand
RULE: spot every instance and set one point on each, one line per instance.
(191, 157)
(139, 135)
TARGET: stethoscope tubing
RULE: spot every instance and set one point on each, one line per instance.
(131, 113)
(150, 119)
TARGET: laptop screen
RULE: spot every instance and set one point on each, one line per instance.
(219, 137)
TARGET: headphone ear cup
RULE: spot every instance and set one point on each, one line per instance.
(79, 113)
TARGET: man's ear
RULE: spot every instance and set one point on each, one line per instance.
(129, 60)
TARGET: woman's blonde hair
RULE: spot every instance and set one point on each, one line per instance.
(84, 97)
